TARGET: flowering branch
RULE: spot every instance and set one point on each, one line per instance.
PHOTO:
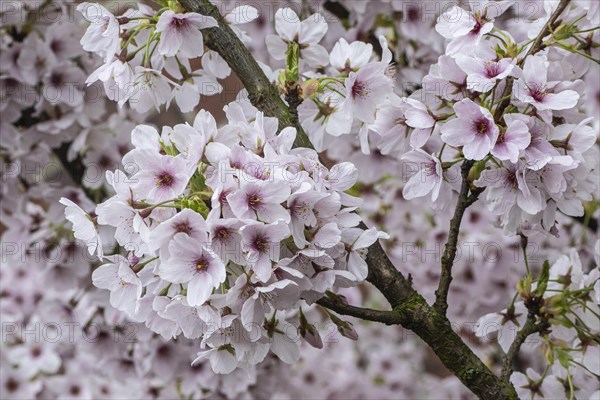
(409, 308)
(537, 45)
(262, 93)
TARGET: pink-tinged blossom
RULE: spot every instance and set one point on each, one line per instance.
(512, 141)
(84, 227)
(259, 301)
(533, 87)
(428, 179)
(482, 75)
(283, 344)
(124, 285)
(323, 119)
(192, 261)
(540, 151)
(365, 90)
(390, 124)
(187, 96)
(241, 15)
(180, 33)
(348, 57)
(357, 242)
(301, 205)
(533, 386)
(474, 129)
(190, 142)
(118, 212)
(150, 89)
(307, 33)
(575, 139)
(115, 75)
(466, 29)
(504, 324)
(446, 79)
(186, 221)
(102, 36)
(261, 243)
(260, 200)
(224, 236)
(35, 357)
(161, 177)
(508, 186)
(420, 118)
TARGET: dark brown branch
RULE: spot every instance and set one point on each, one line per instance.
(530, 327)
(367, 314)
(464, 201)
(537, 45)
(410, 308)
(262, 93)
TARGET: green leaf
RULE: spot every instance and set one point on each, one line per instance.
(542, 283)
(198, 183)
(292, 73)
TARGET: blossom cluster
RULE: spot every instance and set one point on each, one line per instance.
(227, 231)
(150, 56)
(197, 252)
(523, 123)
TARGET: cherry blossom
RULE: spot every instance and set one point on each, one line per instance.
(193, 263)
(218, 243)
(533, 88)
(307, 33)
(180, 33)
(474, 129)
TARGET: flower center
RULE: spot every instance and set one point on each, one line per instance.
(481, 126)
(430, 169)
(164, 179)
(254, 201)
(478, 25)
(179, 23)
(300, 208)
(360, 89)
(201, 263)
(183, 227)
(501, 137)
(413, 14)
(261, 244)
(491, 69)
(510, 180)
(538, 93)
(222, 234)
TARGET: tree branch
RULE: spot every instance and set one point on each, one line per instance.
(262, 93)
(385, 317)
(409, 308)
(464, 201)
(528, 329)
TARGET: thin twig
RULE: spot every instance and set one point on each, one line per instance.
(464, 201)
(530, 327)
(367, 314)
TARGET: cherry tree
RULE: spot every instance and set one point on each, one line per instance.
(387, 173)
